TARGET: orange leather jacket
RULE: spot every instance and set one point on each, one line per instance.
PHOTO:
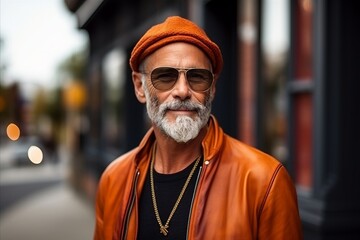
(241, 193)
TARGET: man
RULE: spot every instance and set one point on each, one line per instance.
(187, 179)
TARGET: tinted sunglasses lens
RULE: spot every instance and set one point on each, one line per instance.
(199, 79)
(164, 78)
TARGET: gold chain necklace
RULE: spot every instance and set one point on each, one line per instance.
(164, 228)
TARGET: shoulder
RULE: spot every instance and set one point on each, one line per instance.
(117, 167)
(246, 155)
(219, 145)
(256, 168)
(251, 164)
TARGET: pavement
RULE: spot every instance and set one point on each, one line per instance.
(52, 213)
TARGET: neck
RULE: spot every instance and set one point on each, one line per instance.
(172, 157)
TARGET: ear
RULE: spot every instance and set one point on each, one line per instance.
(138, 87)
(213, 86)
(213, 89)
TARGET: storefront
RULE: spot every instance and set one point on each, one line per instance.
(288, 88)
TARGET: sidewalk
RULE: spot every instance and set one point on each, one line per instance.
(56, 213)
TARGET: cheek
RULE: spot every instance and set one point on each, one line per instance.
(150, 90)
(202, 98)
(160, 96)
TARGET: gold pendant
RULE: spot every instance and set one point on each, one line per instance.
(163, 230)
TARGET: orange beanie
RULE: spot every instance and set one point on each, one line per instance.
(175, 29)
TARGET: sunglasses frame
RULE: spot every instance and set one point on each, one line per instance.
(180, 70)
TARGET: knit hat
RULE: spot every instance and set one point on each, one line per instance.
(175, 29)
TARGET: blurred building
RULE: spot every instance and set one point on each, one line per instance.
(288, 87)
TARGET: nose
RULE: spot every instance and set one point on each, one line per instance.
(181, 89)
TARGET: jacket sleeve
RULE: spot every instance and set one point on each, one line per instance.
(279, 217)
(99, 230)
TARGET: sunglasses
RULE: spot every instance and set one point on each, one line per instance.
(164, 78)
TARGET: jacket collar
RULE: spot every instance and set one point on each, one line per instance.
(213, 140)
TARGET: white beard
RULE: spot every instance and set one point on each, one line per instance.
(184, 128)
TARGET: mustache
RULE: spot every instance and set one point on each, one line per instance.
(180, 105)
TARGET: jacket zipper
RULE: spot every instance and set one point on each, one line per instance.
(132, 200)
(192, 202)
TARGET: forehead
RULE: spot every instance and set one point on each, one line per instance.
(179, 54)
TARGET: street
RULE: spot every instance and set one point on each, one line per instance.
(37, 202)
(17, 184)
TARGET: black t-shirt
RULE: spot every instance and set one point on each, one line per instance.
(167, 190)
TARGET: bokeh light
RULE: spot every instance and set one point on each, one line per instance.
(13, 131)
(35, 154)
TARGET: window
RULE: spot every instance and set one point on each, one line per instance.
(274, 65)
(301, 93)
(114, 65)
